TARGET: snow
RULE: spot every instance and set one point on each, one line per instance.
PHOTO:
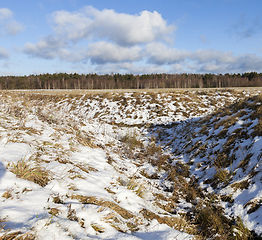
(57, 136)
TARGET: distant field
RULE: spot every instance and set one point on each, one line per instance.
(162, 90)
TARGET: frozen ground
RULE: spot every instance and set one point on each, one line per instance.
(79, 166)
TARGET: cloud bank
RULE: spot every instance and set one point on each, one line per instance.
(8, 25)
(112, 41)
(122, 29)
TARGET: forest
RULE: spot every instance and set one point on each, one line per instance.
(130, 81)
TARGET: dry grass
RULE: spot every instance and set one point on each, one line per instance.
(223, 175)
(77, 92)
(131, 140)
(97, 228)
(257, 130)
(194, 147)
(23, 169)
(85, 168)
(243, 232)
(213, 224)
(204, 130)
(241, 185)
(222, 133)
(253, 205)
(166, 203)
(57, 200)
(2, 224)
(227, 198)
(209, 220)
(71, 215)
(153, 149)
(174, 222)
(8, 193)
(244, 163)
(100, 202)
(83, 139)
(19, 236)
(134, 185)
(54, 211)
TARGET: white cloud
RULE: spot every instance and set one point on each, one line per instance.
(213, 55)
(178, 67)
(117, 36)
(7, 23)
(248, 62)
(157, 56)
(102, 52)
(73, 26)
(4, 54)
(129, 67)
(14, 27)
(128, 43)
(160, 53)
(202, 60)
(240, 63)
(98, 53)
(212, 68)
(47, 48)
(5, 13)
(123, 29)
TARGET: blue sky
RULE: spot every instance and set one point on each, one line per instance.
(138, 36)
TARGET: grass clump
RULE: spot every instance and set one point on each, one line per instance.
(71, 215)
(2, 225)
(222, 133)
(253, 205)
(8, 193)
(241, 185)
(131, 140)
(242, 232)
(18, 236)
(100, 202)
(223, 175)
(134, 185)
(97, 228)
(194, 147)
(257, 130)
(211, 222)
(22, 169)
(182, 169)
(244, 163)
(160, 161)
(153, 149)
(177, 223)
(227, 198)
(54, 211)
(57, 200)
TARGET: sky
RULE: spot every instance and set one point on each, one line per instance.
(138, 36)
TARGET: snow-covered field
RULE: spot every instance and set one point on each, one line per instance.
(130, 165)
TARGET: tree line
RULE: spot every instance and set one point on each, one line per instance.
(130, 81)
